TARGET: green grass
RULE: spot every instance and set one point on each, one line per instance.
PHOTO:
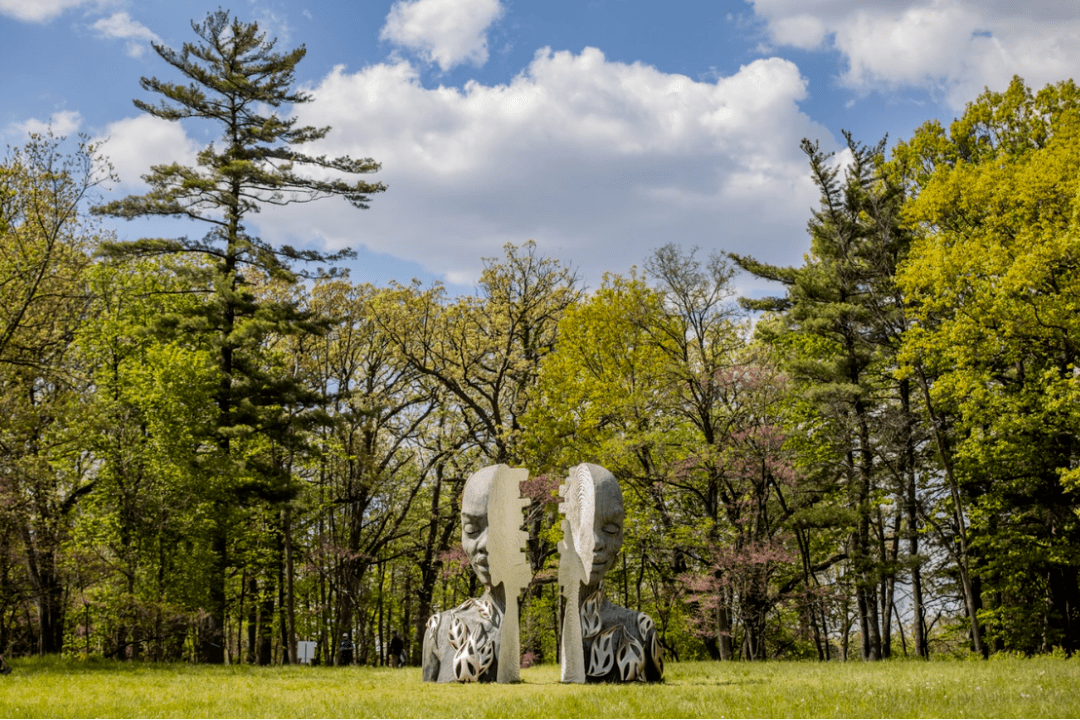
(1042, 687)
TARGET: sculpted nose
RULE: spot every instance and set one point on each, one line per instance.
(481, 541)
(598, 541)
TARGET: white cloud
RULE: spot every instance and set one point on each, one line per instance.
(121, 25)
(956, 47)
(134, 144)
(447, 32)
(37, 10)
(600, 162)
(64, 122)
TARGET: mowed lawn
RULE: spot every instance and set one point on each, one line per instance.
(1042, 687)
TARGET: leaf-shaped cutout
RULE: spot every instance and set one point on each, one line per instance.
(590, 614)
(433, 628)
(657, 654)
(630, 659)
(602, 653)
(458, 633)
(485, 652)
(645, 625)
(489, 612)
(467, 662)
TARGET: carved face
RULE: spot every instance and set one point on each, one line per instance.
(474, 525)
(607, 527)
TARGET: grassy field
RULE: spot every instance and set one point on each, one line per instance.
(1043, 687)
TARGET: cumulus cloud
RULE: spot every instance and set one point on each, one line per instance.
(121, 25)
(134, 144)
(956, 47)
(600, 162)
(447, 32)
(64, 122)
(37, 10)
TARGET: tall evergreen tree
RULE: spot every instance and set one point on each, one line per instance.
(238, 81)
(840, 299)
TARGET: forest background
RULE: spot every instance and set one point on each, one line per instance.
(212, 448)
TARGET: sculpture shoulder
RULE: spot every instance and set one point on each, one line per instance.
(625, 646)
(434, 638)
(462, 644)
(613, 614)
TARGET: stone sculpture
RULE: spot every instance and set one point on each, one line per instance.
(601, 642)
(478, 641)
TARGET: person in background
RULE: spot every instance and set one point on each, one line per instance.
(397, 651)
(345, 651)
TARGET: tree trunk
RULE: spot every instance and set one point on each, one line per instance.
(911, 507)
(266, 625)
(723, 629)
(380, 629)
(439, 536)
(252, 616)
(290, 590)
(963, 564)
(51, 615)
(867, 579)
(211, 635)
(283, 623)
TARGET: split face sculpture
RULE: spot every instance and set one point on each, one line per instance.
(601, 642)
(478, 641)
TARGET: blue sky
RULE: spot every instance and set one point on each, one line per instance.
(601, 129)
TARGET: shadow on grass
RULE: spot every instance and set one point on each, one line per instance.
(663, 683)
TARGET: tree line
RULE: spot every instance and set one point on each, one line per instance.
(213, 448)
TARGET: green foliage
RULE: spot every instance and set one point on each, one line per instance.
(485, 351)
(202, 458)
(837, 329)
(45, 246)
(239, 83)
(994, 279)
(235, 76)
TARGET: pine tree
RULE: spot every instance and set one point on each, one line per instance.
(238, 81)
(841, 299)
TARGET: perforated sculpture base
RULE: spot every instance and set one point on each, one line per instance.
(601, 641)
(462, 644)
